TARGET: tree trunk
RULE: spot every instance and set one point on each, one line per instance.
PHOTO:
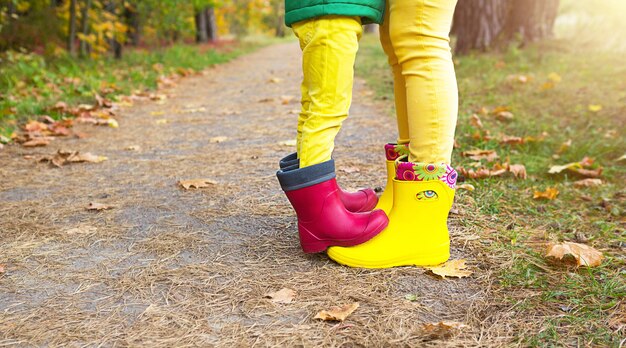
(133, 21)
(477, 23)
(211, 23)
(280, 18)
(84, 24)
(480, 24)
(71, 39)
(531, 20)
(201, 26)
(115, 44)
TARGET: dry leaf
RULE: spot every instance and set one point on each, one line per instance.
(288, 142)
(196, 183)
(35, 142)
(452, 268)
(518, 78)
(578, 168)
(550, 194)
(504, 116)
(63, 156)
(477, 155)
(219, 139)
(442, 329)
(583, 254)
(595, 107)
(132, 148)
(286, 99)
(511, 140)
(282, 296)
(475, 121)
(468, 187)
(554, 77)
(621, 158)
(161, 121)
(275, 80)
(566, 145)
(98, 206)
(336, 313)
(2, 268)
(266, 100)
(519, 170)
(588, 183)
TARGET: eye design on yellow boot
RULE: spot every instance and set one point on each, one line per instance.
(427, 195)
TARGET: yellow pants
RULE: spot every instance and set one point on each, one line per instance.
(415, 37)
(329, 46)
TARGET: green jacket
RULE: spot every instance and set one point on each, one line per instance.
(371, 11)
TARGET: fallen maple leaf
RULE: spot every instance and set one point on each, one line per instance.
(442, 329)
(511, 140)
(579, 168)
(98, 206)
(475, 121)
(35, 142)
(583, 254)
(452, 268)
(588, 182)
(196, 183)
(518, 170)
(337, 313)
(63, 156)
(477, 155)
(468, 187)
(504, 116)
(282, 296)
(550, 194)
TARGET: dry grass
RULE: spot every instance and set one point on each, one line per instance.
(167, 267)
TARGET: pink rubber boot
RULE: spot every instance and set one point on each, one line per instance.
(323, 220)
(360, 201)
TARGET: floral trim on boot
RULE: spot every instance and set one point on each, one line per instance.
(393, 151)
(409, 171)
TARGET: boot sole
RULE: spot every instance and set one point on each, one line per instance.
(430, 259)
(321, 245)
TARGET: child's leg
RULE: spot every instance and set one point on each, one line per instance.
(419, 32)
(399, 84)
(329, 45)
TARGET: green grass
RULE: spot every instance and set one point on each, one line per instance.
(575, 305)
(31, 84)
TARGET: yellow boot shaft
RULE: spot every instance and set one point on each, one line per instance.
(385, 202)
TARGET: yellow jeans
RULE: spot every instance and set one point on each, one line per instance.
(415, 37)
(329, 45)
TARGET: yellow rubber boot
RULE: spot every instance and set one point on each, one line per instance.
(417, 234)
(392, 152)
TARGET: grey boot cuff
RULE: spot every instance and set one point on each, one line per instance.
(304, 177)
(289, 161)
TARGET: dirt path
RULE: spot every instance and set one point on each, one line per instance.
(167, 267)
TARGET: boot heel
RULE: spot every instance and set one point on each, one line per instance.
(309, 243)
